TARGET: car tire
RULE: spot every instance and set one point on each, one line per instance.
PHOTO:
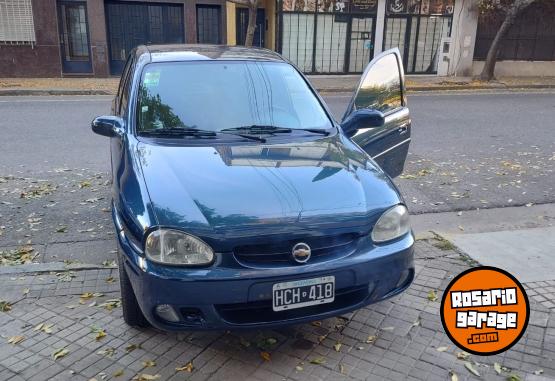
(132, 313)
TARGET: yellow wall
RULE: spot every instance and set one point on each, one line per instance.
(230, 22)
(270, 10)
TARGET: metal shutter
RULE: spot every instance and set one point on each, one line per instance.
(16, 21)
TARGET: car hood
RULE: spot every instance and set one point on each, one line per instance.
(235, 188)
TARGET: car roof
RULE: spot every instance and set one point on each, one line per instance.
(201, 52)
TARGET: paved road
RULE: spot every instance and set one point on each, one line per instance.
(469, 151)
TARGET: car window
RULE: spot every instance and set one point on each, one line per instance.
(122, 82)
(226, 94)
(381, 87)
(126, 86)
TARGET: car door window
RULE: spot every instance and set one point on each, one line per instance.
(381, 87)
(123, 92)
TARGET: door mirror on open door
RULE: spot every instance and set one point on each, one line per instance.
(377, 117)
(361, 119)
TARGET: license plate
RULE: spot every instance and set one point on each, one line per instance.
(303, 293)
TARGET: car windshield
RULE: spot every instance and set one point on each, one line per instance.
(219, 95)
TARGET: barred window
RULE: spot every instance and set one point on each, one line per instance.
(16, 22)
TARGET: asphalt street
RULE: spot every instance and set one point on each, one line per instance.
(469, 150)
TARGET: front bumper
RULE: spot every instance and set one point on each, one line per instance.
(221, 297)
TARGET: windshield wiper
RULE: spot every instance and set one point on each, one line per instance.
(251, 137)
(192, 131)
(315, 131)
(259, 129)
(268, 129)
(178, 131)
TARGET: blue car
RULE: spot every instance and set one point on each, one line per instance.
(239, 201)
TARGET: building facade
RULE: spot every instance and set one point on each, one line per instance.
(53, 38)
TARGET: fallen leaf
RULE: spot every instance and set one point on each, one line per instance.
(86, 295)
(107, 352)
(61, 229)
(146, 377)
(131, 347)
(110, 304)
(186, 368)
(337, 347)
(453, 376)
(46, 328)
(265, 356)
(16, 339)
(66, 276)
(149, 363)
(299, 368)
(118, 373)
(244, 342)
(60, 353)
(111, 263)
(110, 279)
(316, 323)
(100, 332)
(371, 339)
(5, 306)
(441, 349)
(471, 369)
(26, 291)
(318, 361)
(271, 341)
(341, 368)
(513, 377)
(463, 355)
(497, 367)
(432, 296)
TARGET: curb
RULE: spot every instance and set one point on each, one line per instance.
(46, 92)
(450, 88)
(27, 92)
(34, 268)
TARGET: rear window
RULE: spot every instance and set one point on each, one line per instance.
(214, 95)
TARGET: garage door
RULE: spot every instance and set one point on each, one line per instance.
(132, 24)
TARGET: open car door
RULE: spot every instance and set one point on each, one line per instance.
(382, 89)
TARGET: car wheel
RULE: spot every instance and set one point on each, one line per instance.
(132, 313)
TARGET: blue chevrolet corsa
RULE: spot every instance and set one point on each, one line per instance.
(238, 200)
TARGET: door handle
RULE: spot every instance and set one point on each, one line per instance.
(403, 129)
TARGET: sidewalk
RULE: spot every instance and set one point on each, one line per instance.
(323, 83)
(78, 316)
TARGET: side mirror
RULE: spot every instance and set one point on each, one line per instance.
(107, 126)
(363, 118)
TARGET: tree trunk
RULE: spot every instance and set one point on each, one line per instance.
(491, 59)
(253, 7)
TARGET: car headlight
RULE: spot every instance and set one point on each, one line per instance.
(177, 248)
(394, 223)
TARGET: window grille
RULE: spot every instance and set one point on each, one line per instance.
(16, 22)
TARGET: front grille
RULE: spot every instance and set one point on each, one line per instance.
(280, 252)
(262, 312)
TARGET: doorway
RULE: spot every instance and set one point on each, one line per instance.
(130, 24)
(209, 19)
(75, 48)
